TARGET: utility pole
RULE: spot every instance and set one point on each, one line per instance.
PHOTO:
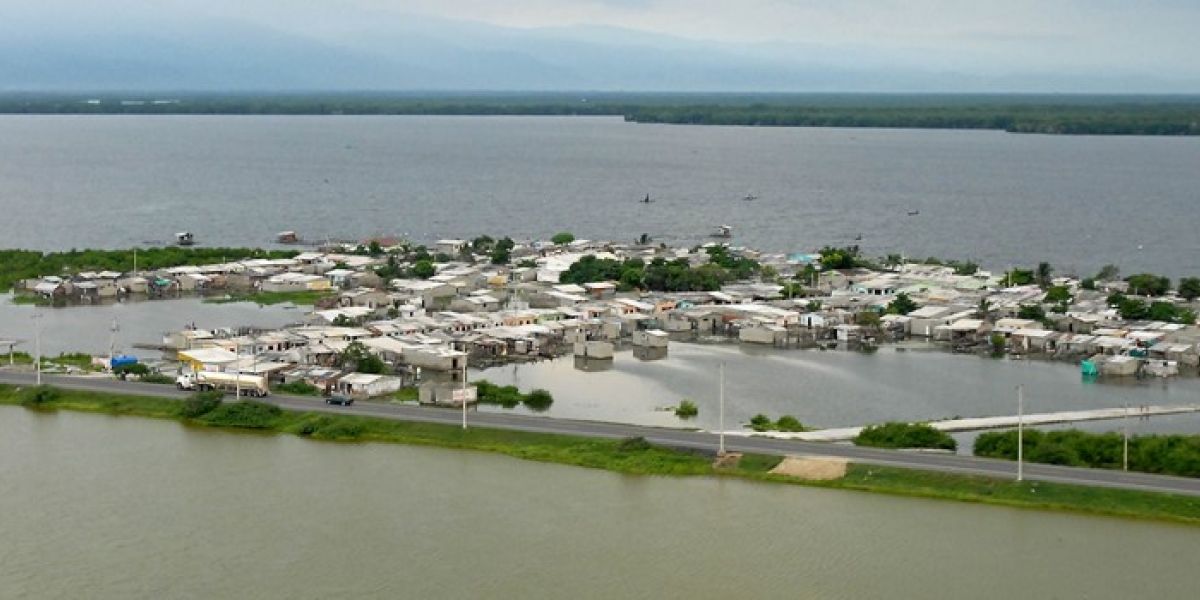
(112, 343)
(37, 345)
(464, 394)
(721, 411)
(237, 369)
(1020, 432)
(1125, 439)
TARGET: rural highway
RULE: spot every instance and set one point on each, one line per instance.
(697, 440)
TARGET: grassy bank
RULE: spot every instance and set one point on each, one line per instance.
(626, 456)
(307, 298)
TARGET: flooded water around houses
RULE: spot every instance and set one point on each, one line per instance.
(829, 388)
(118, 507)
(88, 328)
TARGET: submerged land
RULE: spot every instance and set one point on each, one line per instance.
(1015, 113)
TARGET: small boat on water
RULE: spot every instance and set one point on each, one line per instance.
(913, 213)
(185, 238)
(723, 231)
(749, 197)
(287, 237)
(647, 199)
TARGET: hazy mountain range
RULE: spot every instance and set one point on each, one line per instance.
(424, 53)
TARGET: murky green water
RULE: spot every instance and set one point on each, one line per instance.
(105, 507)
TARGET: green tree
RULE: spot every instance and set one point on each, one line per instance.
(1044, 271)
(356, 356)
(867, 318)
(1108, 273)
(1189, 288)
(1018, 277)
(1148, 284)
(563, 238)
(1057, 295)
(1031, 311)
(902, 305)
(1162, 311)
(840, 258)
(424, 269)
(482, 244)
(501, 252)
(1133, 309)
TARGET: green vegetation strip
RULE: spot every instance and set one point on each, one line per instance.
(307, 298)
(905, 435)
(634, 456)
(16, 265)
(1057, 114)
(1177, 455)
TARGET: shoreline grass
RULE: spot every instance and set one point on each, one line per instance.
(638, 458)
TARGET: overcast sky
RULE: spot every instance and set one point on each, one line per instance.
(1156, 39)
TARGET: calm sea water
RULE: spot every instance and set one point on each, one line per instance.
(1078, 202)
(108, 507)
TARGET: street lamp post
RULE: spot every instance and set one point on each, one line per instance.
(721, 412)
(464, 395)
(37, 345)
(1020, 432)
(1125, 439)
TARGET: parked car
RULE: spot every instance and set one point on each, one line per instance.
(340, 400)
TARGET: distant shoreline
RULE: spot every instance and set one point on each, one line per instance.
(1042, 114)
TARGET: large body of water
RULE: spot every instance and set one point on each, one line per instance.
(1001, 199)
(107, 507)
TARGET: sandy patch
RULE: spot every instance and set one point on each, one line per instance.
(814, 468)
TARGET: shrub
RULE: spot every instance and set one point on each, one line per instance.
(686, 409)
(200, 404)
(509, 396)
(38, 396)
(634, 444)
(539, 400)
(299, 388)
(134, 369)
(331, 428)
(761, 422)
(789, 423)
(158, 378)
(905, 435)
(1166, 454)
(247, 415)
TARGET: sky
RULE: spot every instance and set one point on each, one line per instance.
(1127, 45)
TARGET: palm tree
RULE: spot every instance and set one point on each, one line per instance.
(984, 309)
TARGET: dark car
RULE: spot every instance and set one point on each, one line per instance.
(340, 400)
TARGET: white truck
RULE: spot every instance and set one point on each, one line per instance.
(250, 385)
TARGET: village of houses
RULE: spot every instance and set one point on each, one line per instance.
(473, 312)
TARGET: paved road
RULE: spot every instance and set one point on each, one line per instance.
(676, 438)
